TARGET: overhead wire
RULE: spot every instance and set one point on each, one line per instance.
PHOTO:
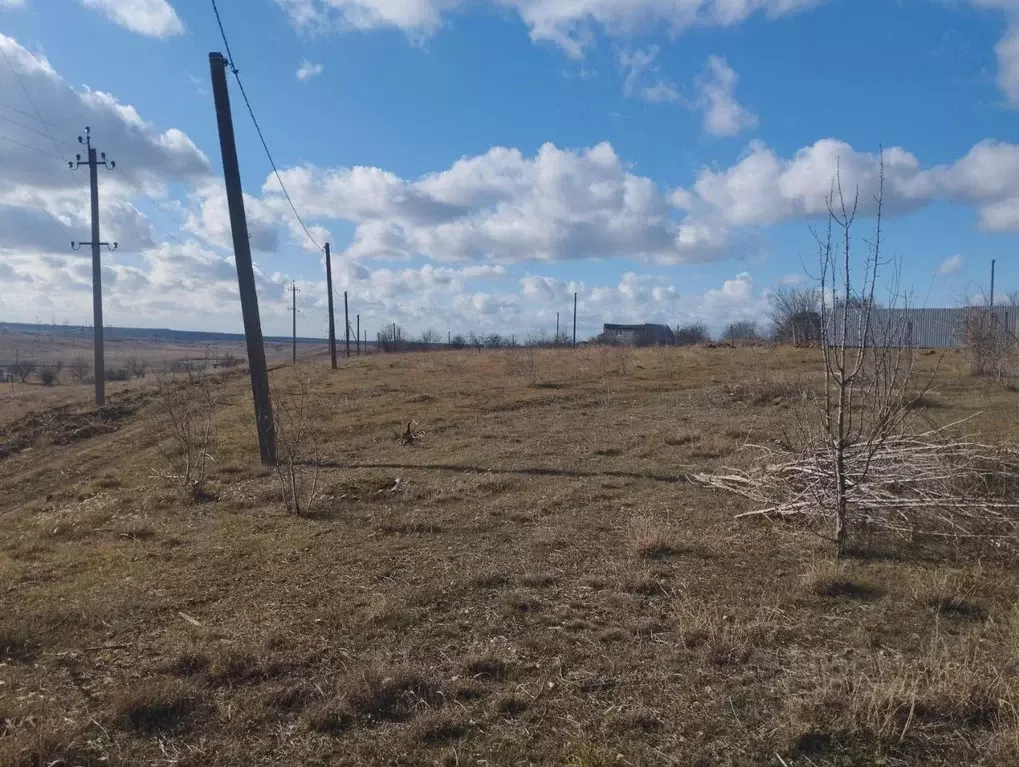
(122, 171)
(29, 114)
(35, 130)
(33, 148)
(28, 96)
(258, 129)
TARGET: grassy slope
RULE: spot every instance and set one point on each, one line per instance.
(532, 582)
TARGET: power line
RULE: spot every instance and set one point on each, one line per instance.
(34, 130)
(33, 148)
(27, 94)
(150, 198)
(29, 114)
(265, 146)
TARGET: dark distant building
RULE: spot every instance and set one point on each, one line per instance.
(638, 335)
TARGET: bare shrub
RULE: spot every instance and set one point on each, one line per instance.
(692, 335)
(294, 412)
(990, 348)
(117, 374)
(795, 315)
(228, 361)
(185, 410)
(23, 370)
(135, 367)
(78, 369)
(859, 463)
(48, 377)
(742, 331)
(524, 362)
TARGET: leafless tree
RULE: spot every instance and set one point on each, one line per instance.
(868, 359)
(795, 315)
(458, 341)
(228, 360)
(692, 335)
(184, 411)
(297, 443)
(136, 367)
(78, 369)
(23, 370)
(744, 330)
(392, 338)
(431, 337)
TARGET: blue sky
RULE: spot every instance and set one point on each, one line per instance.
(474, 162)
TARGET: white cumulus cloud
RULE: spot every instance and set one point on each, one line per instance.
(951, 265)
(154, 18)
(570, 25)
(723, 115)
(503, 207)
(307, 70)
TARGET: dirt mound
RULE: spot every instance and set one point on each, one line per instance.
(67, 424)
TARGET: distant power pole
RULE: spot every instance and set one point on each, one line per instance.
(574, 320)
(556, 329)
(358, 335)
(346, 321)
(242, 257)
(293, 309)
(992, 283)
(332, 321)
(97, 271)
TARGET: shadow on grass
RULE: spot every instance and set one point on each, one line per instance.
(530, 471)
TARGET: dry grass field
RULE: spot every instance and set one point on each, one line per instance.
(47, 350)
(534, 580)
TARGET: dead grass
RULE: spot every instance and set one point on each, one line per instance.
(534, 583)
(156, 705)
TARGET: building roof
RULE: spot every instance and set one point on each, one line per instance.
(645, 326)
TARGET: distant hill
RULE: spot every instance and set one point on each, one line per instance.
(145, 334)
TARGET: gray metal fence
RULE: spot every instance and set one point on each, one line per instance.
(920, 328)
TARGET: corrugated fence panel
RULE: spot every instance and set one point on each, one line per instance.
(920, 328)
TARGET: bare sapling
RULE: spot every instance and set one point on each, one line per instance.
(868, 358)
(184, 413)
(861, 463)
(298, 459)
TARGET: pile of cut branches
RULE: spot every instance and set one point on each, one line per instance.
(928, 484)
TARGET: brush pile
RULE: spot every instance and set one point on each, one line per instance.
(924, 484)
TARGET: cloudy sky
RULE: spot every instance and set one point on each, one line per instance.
(475, 162)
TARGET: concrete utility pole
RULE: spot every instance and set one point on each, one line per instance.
(97, 270)
(293, 291)
(346, 321)
(358, 335)
(332, 321)
(992, 283)
(574, 320)
(556, 329)
(242, 257)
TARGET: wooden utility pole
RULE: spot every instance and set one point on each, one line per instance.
(293, 309)
(992, 283)
(574, 320)
(242, 257)
(346, 321)
(556, 329)
(358, 335)
(93, 163)
(332, 321)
